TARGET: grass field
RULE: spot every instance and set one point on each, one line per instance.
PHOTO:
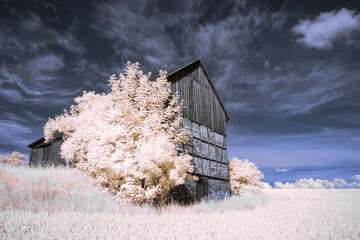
(63, 204)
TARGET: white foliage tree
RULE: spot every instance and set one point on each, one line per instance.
(15, 159)
(244, 176)
(127, 139)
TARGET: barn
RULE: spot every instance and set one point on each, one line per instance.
(204, 115)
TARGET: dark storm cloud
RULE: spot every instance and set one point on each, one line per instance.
(33, 70)
(139, 33)
(289, 104)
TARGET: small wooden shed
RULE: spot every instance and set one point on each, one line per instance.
(46, 154)
(204, 115)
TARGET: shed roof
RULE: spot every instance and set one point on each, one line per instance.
(41, 140)
(36, 142)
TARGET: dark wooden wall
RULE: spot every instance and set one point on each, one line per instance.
(201, 103)
(46, 154)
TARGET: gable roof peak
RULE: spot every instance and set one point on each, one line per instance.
(178, 73)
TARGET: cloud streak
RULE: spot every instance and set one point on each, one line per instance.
(295, 92)
(282, 169)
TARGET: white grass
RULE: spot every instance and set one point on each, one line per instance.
(272, 214)
(52, 189)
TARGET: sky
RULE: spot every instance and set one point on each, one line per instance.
(288, 72)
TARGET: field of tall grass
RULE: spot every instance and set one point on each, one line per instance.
(61, 203)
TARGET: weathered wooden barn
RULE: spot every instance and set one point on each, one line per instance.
(204, 115)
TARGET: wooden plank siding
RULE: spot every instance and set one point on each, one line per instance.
(200, 102)
(36, 157)
(46, 154)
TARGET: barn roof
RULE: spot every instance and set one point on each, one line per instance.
(178, 73)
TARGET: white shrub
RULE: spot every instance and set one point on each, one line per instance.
(244, 176)
(15, 159)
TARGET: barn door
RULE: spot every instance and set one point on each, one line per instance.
(202, 188)
(36, 157)
(206, 187)
(33, 158)
(46, 160)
